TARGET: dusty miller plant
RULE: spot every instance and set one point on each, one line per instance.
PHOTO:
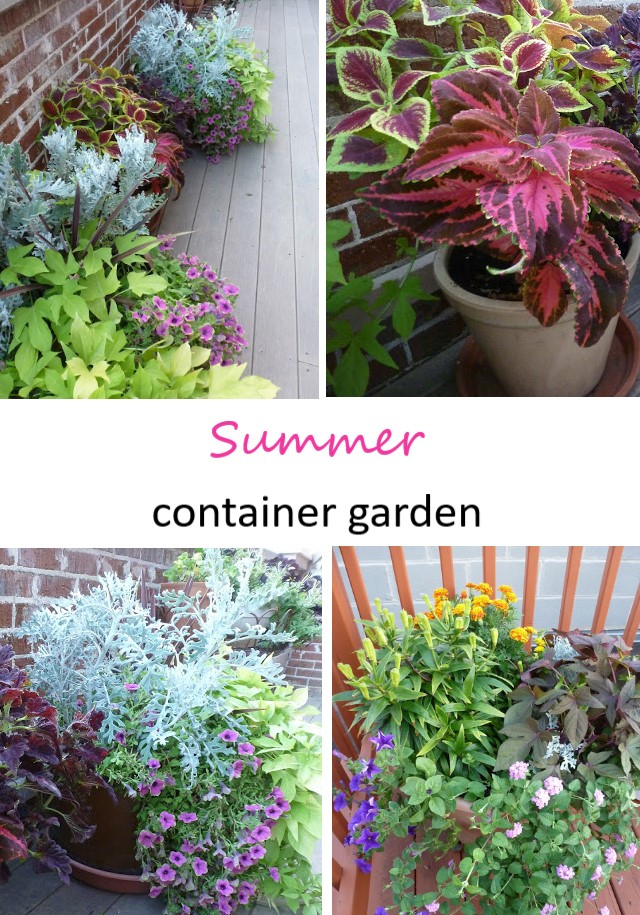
(89, 649)
(167, 45)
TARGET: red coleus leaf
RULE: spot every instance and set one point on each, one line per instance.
(12, 846)
(50, 109)
(363, 71)
(86, 135)
(338, 13)
(542, 213)
(613, 191)
(405, 83)
(485, 92)
(566, 97)
(356, 120)
(537, 116)
(445, 211)
(544, 294)
(476, 138)
(354, 152)
(530, 56)
(485, 57)
(554, 157)
(74, 115)
(409, 123)
(379, 21)
(599, 281)
(592, 146)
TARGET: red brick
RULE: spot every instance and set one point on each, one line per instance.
(369, 222)
(23, 612)
(39, 558)
(18, 15)
(30, 135)
(7, 557)
(81, 563)
(10, 46)
(52, 586)
(107, 564)
(341, 188)
(149, 572)
(370, 255)
(39, 28)
(21, 647)
(342, 213)
(6, 615)
(18, 584)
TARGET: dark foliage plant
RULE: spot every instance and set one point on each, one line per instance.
(577, 710)
(45, 774)
(178, 112)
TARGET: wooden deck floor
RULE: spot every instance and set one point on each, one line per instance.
(43, 894)
(255, 215)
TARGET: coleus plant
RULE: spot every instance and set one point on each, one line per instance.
(45, 774)
(501, 171)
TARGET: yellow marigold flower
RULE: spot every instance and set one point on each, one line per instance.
(519, 634)
(477, 613)
(485, 588)
(500, 605)
(530, 630)
(540, 646)
(440, 593)
(481, 600)
(458, 610)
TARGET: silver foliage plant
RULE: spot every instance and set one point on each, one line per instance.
(167, 44)
(88, 646)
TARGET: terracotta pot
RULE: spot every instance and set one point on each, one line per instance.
(463, 816)
(107, 860)
(191, 7)
(530, 360)
(156, 218)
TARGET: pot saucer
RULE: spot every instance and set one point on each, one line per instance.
(106, 880)
(474, 378)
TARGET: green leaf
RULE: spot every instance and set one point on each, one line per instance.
(351, 377)
(437, 806)
(403, 317)
(25, 360)
(142, 284)
(226, 382)
(337, 229)
(39, 333)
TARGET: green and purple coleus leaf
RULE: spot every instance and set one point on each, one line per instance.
(365, 152)
(502, 167)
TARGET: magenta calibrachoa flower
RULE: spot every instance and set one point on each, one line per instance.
(200, 867)
(167, 820)
(197, 308)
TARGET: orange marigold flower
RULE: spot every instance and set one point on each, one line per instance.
(519, 634)
(440, 592)
(500, 605)
(464, 595)
(471, 585)
(481, 600)
(485, 588)
(429, 615)
(477, 613)
(530, 630)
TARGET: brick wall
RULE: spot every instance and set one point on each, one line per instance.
(305, 666)
(29, 577)
(41, 46)
(423, 566)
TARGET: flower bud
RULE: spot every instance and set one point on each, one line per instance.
(346, 671)
(407, 622)
(360, 656)
(473, 640)
(494, 636)
(398, 661)
(383, 641)
(459, 623)
(395, 677)
(369, 650)
(364, 690)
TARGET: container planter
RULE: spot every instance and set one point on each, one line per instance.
(107, 860)
(530, 360)
(196, 589)
(154, 222)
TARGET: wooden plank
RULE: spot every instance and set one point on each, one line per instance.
(633, 622)
(353, 897)
(308, 381)
(242, 237)
(180, 214)
(574, 558)
(356, 581)
(605, 897)
(75, 899)
(627, 892)
(530, 585)
(611, 566)
(338, 686)
(380, 863)
(276, 349)
(446, 565)
(489, 565)
(308, 22)
(402, 578)
(345, 634)
(304, 178)
(132, 905)
(212, 211)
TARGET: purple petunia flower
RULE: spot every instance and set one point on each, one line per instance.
(236, 768)
(131, 687)
(147, 838)
(339, 802)
(257, 852)
(364, 866)
(356, 782)
(155, 891)
(154, 764)
(274, 873)
(224, 888)
(382, 741)
(368, 840)
(156, 786)
(369, 768)
(273, 812)
(229, 735)
(255, 763)
(200, 867)
(120, 737)
(188, 847)
(253, 808)
(187, 817)
(380, 911)
(260, 834)
(166, 874)
(167, 820)
(246, 749)
(177, 858)
(193, 273)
